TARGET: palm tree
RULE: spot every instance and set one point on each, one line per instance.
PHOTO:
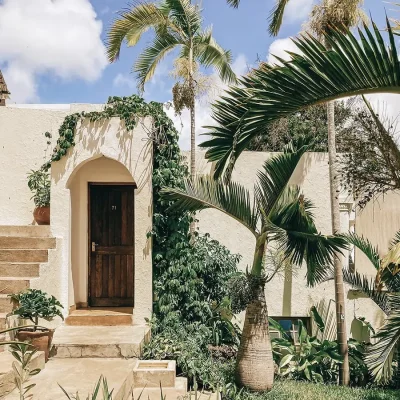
(279, 216)
(385, 292)
(346, 13)
(177, 24)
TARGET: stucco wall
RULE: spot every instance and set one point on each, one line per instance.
(105, 151)
(22, 148)
(288, 294)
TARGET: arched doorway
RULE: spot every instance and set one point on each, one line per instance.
(102, 234)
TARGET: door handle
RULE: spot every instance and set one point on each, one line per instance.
(94, 246)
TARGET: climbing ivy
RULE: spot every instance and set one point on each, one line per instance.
(188, 279)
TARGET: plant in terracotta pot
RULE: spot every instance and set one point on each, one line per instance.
(34, 304)
(39, 184)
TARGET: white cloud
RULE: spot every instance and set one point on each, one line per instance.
(279, 49)
(123, 81)
(60, 37)
(203, 107)
(297, 10)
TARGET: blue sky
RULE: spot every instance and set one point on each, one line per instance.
(52, 51)
(243, 31)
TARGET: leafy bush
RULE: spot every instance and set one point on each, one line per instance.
(316, 360)
(34, 304)
(39, 184)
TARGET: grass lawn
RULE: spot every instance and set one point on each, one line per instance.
(291, 390)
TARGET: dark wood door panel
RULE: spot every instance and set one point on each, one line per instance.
(111, 272)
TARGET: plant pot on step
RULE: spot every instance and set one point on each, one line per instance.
(41, 339)
(42, 215)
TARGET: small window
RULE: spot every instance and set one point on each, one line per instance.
(291, 326)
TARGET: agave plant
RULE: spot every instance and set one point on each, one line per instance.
(385, 292)
(279, 214)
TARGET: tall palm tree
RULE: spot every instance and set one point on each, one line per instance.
(177, 24)
(278, 216)
(385, 292)
(346, 13)
(321, 73)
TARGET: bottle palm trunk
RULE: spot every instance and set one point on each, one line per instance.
(344, 375)
(254, 363)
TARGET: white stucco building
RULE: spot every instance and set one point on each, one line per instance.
(103, 186)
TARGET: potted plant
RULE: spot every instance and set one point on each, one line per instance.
(39, 184)
(34, 304)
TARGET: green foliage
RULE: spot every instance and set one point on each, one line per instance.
(313, 359)
(101, 384)
(34, 304)
(311, 121)
(129, 109)
(39, 184)
(23, 353)
(189, 346)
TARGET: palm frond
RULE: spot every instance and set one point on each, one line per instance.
(391, 262)
(380, 356)
(395, 240)
(276, 173)
(276, 17)
(233, 3)
(185, 15)
(130, 25)
(231, 199)
(315, 76)
(210, 54)
(292, 226)
(365, 246)
(151, 56)
(367, 286)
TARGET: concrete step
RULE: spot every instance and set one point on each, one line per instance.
(100, 317)
(19, 270)
(16, 285)
(14, 242)
(25, 231)
(23, 256)
(7, 377)
(99, 341)
(5, 303)
(81, 375)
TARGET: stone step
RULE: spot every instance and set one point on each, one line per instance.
(5, 304)
(7, 377)
(99, 341)
(19, 270)
(25, 231)
(14, 242)
(10, 286)
(100, 317)
(23, 256)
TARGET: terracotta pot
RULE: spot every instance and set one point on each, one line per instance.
(42, 215)
(41, 339)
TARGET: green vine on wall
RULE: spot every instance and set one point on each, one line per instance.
(129, 109)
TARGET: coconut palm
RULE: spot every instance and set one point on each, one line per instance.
(384, 290)
(177, 24)
(278, 216)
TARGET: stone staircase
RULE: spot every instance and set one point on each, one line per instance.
(22, 249)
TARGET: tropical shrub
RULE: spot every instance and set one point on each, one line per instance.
(39, 184)
(316, 360)
(34, 304)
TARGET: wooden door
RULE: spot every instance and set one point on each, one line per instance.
(111, 246)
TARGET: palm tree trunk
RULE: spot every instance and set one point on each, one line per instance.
(254, 363)
(344, 374)
(192, 127)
